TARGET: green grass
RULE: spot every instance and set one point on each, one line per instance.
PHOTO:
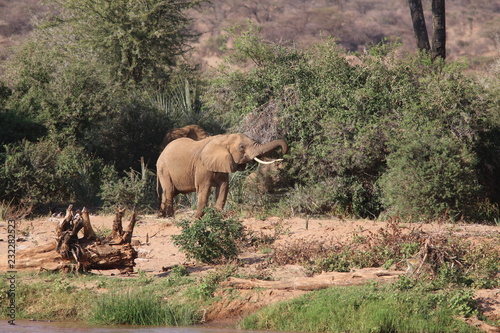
(102, 300)
(142, 308)
(363, 309)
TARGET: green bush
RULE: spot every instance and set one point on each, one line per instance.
(133, 191)
(355, 129)
(14, 128)
(210, 239)
(431, 176)
(43, 173)
(124, 137)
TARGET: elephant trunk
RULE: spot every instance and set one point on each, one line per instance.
(260, 149)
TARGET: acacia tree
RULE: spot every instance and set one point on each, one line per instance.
(138, 40)
(438, 46)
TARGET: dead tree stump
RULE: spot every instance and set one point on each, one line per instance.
(90, 252)
(73, 253)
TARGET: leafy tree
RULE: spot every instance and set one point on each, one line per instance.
(137, 40)
(66, 94)
(87, 72)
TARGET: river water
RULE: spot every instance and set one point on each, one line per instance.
(57, 327)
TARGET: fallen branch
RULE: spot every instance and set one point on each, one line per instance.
(321, 281)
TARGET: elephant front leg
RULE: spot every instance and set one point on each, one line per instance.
(221, 193)
(203, 195)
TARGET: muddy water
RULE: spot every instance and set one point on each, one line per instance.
(55, 327)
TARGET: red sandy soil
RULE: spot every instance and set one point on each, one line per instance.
(156, 254)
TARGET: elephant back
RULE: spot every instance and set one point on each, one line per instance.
(193, 132)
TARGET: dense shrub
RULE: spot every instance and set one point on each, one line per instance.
(136, 190)
(211, 239)
(430, 176)
(124, 137)
(43, 173)
(14, 127)
(355, 130)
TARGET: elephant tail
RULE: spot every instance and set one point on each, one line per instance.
(157, 188)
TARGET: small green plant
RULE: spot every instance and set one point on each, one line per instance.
(62, 285)
(144, 279)
(462, 302)
(6, 210)
(210, 239)
(208, 284)
(178, 271)
(102, 231)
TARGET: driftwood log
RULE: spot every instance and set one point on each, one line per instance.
(74, 253)
(322, 281)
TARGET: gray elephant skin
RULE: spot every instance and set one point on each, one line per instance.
(186, 165)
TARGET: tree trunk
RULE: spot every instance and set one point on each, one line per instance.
(419, 28)
(439, 29)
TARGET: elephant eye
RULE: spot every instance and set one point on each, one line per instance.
(242, 147)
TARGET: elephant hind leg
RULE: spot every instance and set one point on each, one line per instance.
(167, 198)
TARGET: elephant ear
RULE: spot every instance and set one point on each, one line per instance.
(217, 158)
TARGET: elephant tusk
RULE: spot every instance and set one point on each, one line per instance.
(267, 162)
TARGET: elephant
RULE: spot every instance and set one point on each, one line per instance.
(186, 165)
(194, 132)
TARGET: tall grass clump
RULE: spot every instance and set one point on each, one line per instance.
(369, 308)
(369, 137)
(142, 308)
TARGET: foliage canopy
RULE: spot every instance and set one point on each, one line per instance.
(370, 133)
